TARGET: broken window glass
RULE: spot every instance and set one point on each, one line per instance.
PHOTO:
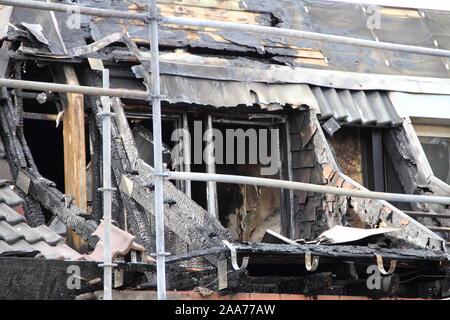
(438, 153)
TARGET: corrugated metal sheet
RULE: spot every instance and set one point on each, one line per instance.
(357, 107)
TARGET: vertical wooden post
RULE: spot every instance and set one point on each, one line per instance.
(74, 148)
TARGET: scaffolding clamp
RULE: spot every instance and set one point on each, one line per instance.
(106, 189)
(152, 17)
(106, 265)
(381, 266)
(234, 262)
(164, 174)
(160, 254)
(106, 114)
(153, 96)
(311, 266)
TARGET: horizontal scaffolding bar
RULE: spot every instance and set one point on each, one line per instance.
(90, 91)
(306, 35)
(241, 27)
(67, 8)
(291, 185)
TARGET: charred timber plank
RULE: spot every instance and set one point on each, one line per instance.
(51, 199)
(428, 214)
(440, 229)
(137, 219)
(198, 233)
(41, 279)
(287, 253)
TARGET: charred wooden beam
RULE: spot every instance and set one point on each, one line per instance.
(32, 185)
(137, 219)
(282, 253)
(46, 193)
(40, 279)
(17, 146)
(410, 163)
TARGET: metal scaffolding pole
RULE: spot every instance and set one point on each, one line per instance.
(211, 187)
(241, 27)
(159, 170)
(107, 190)
(291, 185)
(68, 8)
(89, 91)
(186, 153)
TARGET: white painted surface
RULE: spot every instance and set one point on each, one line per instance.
(419, 4)
(421, 105)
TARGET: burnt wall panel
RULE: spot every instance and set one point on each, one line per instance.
(308, 207)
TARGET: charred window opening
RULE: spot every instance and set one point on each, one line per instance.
(362, 155)
(437, 150)
(248, 148)
(248, 211)
(44, 138)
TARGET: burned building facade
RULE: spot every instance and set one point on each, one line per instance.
(233, 103)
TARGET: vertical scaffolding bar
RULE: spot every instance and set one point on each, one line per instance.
(107, 190)
(287, 128)
(187, 153)
(211, 187)
(156, 106)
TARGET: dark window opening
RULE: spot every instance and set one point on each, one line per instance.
(361, 154)
(437, 150)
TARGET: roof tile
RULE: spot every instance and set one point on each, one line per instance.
(9, 234)
(8, 196)
(18, 238)
(52, 238)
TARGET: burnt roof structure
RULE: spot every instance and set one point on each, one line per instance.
(330, 101)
